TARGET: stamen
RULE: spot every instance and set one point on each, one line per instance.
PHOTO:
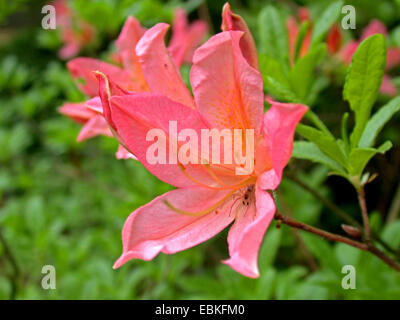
(181, 166)
(223, 186)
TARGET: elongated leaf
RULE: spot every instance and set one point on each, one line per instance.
(273, 34)
(326, 143)
(302, 74)
(377, 122)
(272, 68)
(359, 157)
(309, 151)
(363, 81)
(325, 21)
(280, 90)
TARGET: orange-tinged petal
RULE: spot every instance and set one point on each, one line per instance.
(84, 68)
(234, 22)
(161, 74)
(155, 228)
(228, 91)
(246, 234)
(279, 125)
(97, 125)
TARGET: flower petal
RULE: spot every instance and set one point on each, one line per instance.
(79, 112)
(388, 86)
(160, 72)
(234, 22)
(97, 125)
(136, 114)
(375, 26)
(228, 91)
(122, 153)
(393, 58)
(185, 38)
(246, 234)
(280, 122)
(126, 44)
(155, 228)
(84, 68)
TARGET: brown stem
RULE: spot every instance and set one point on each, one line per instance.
(302, 246)
(364, 213)
(338, 238)
(338, 211)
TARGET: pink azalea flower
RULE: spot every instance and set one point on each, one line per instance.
(228, 94)
(75, 33)
(393, 55)
(130, 74)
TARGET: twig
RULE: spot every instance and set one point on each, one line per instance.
(338, 211)
(309, 258)
(364, 213)
(338, 238)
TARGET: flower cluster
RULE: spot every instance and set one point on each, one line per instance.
(146, 91)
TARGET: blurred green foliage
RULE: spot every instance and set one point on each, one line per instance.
(64, 203)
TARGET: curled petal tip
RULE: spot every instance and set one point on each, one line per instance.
(234, 22)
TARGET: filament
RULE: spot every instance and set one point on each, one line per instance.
(199, 213)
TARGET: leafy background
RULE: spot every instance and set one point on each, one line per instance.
(64, 203)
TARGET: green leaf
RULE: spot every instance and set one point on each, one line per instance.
(325, 21)
(326, 143)
(273, 34)
(272, 68)
(377, 122)
(280, 90)
(309, 151)
(302, 74)
(363, 81)
(359, 157)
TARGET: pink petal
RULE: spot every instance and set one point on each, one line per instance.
(347, 52)
(155, 228)
(97, 125)
(95, 105)
(177, 44)
(228, 91)
(126, 44)
(130, 34)
(280, 122)
(122, 153)
(84, 68)
(246, 234)
(159, 70)
(388, 86)
(107, 88)
(185, 39)
(135, 114)
(393, 58)
(79, 112)
(334, 39)
(375, 26)
(197, 32)
(234, 22)
(69, 50)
